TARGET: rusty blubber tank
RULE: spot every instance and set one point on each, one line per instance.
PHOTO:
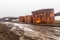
(21, 19)
(28, 19)
(45, 16)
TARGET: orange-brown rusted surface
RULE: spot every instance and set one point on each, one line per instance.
(21, 19)
(28, 19)
(45, 15)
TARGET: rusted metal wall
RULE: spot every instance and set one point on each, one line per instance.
(21, 19)
(43, 16)
(28, 19)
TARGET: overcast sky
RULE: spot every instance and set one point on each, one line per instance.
(24, 7)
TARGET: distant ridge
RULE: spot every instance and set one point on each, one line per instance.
(57, 14)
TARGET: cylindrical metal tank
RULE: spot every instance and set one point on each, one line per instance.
(21, 19)
(43, 16)
(28, 19)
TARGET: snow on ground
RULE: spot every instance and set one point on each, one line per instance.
(26, 29)
(21, 26)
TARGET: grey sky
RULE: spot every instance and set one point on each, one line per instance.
(24, 7)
